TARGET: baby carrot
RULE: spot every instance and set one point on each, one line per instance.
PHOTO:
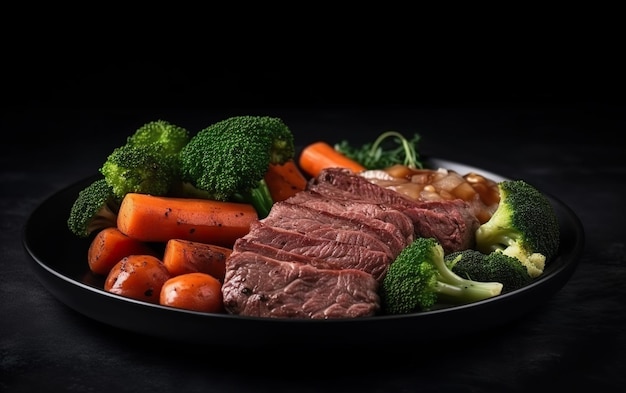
(284, 180)
(184, 256)
(109, 246)
(193, 291)
(138, 277)
(152, 218)
(320, 155)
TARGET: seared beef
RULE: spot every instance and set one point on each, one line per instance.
(331, 253)
(323, 224)
(397, 222)
(346, 184)
(256, 285)
(450, 222)
(251, 244)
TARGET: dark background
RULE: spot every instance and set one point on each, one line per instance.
(371, 57)
(489, 76)
(525, 93)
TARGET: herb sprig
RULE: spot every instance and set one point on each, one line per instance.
(390, 148)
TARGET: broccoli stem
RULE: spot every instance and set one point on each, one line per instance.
(259, 197)
(471, 291)
(456, 289)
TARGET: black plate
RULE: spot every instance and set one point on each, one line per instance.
(60, 262)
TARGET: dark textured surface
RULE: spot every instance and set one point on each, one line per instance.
(575, 341)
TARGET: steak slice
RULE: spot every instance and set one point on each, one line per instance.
(332, 227)
(332, 253)
(450, 222)
(345, 184)
(244, 244)
(387, 232)
(394, 220)
(259, 286)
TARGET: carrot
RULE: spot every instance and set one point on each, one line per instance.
(284, 180)
(138, 277)
(152, 218)
(193, 291)
(320, 155)
(109, 246)
(184, 256)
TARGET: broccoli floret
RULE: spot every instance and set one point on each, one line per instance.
(170, 137)
(419, 278)
(144, 169)
(149, 162)
(228, 159)
(524, 226)
(95, 208)
(495, 266)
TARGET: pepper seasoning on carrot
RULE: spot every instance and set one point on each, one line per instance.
(152, 218)
(138, 277)
(185, 256)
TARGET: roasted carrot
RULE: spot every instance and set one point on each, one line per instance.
(320, 155)
(138, 277)
(284, 180)
(193, 291)
(152, 218)
(109, 246)
(184, 256)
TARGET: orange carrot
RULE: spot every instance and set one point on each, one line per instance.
(152, 218)
(184, 256)
(320, 155)
(193, 291)
(109, 246)
(138, 277)
(284, 180)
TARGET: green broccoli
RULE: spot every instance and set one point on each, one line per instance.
(228, 160)
(96, 207)
(161, 133)
(524, 226)
(145, 169)
(419, 278)
(377, 155)
(149, 162)
(495, 266)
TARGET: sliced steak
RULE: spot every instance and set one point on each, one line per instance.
(259, 286)
(346, 184)
(331, 253)
(250, 244)
(451, 222)
(394, 220)
(387, 232)
(332, 227)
